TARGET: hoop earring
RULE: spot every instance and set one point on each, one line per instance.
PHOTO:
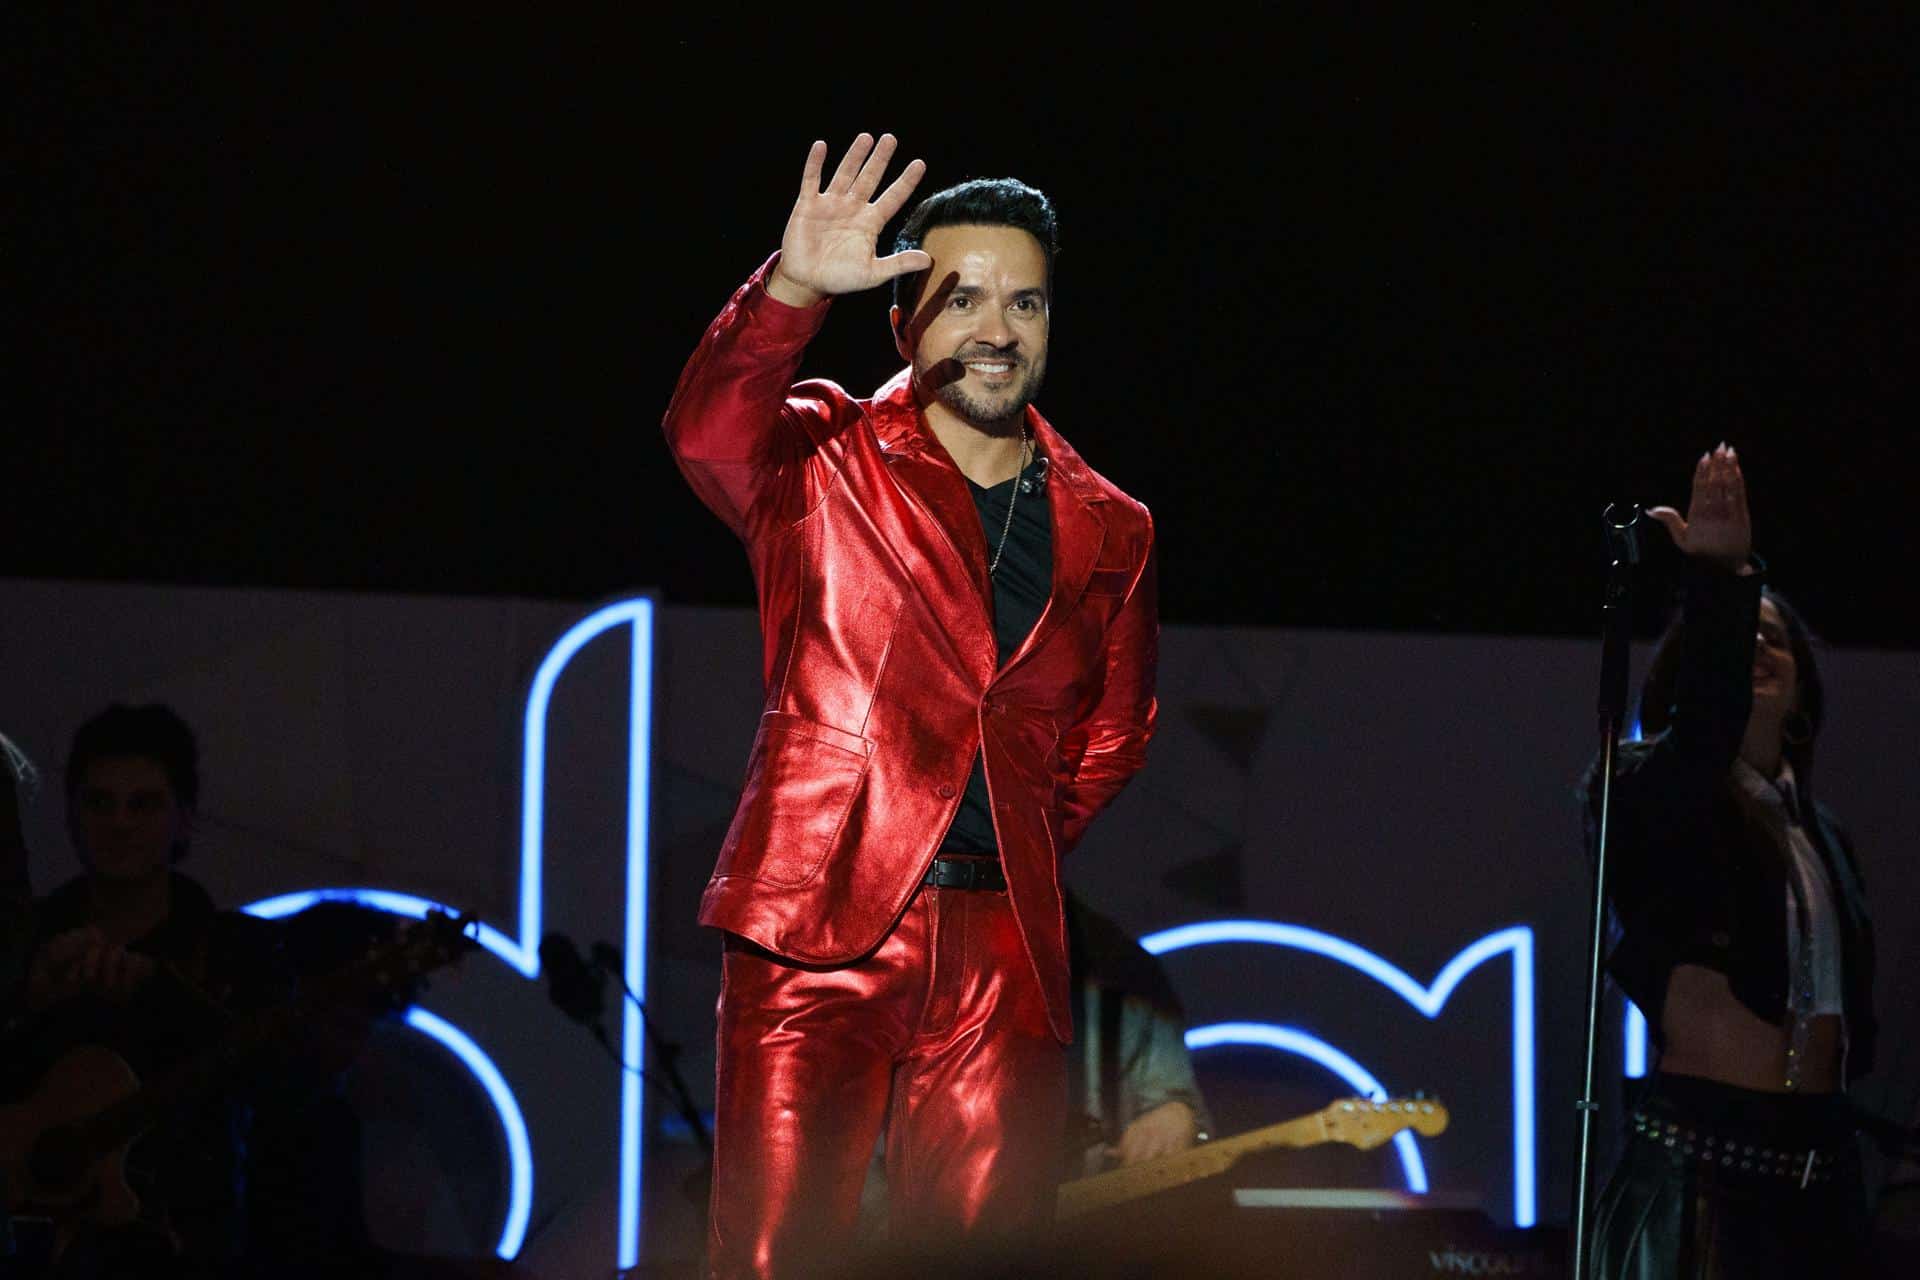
(1797, 729)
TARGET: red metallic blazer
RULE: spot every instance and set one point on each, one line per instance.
(879, 653)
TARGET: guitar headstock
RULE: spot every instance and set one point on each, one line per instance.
(1366, 1123)
(434, 941)
(417, 948)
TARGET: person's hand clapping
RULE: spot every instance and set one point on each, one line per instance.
(829, 245)
(1716, 527)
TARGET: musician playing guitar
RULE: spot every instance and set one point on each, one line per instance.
(1130, 1084)
(131, 956)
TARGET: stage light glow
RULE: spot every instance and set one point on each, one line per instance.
(514, 1125)
(639, 779)
(1357, 1077)
(1633, 1036)
(1516, 941)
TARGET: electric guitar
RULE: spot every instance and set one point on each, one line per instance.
(1358, 1122)
(63, 1151)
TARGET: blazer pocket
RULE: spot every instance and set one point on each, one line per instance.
(1110, 582)
(802, 780)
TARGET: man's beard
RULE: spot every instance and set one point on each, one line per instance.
(999, 417)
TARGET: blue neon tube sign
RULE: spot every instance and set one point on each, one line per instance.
(1516, 941)
(520, 950)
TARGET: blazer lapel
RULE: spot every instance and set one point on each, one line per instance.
(954, 553)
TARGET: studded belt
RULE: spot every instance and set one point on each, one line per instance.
(1802, 1167)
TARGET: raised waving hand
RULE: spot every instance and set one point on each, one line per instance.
(1716, 526)
(832, 234)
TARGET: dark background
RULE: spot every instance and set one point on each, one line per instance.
(1376, 311)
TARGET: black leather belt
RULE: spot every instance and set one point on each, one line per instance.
(966, 873)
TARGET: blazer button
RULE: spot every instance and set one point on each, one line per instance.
(946, 791)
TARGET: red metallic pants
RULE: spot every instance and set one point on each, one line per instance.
(941, 1034)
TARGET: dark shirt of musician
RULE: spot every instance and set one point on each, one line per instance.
(133, 962)
(211, 968)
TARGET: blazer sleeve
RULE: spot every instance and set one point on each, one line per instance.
(1109, 745)
(732, 426)
(1665, 789)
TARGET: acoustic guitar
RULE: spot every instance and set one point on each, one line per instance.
(63, 1150)
(1357, 1122)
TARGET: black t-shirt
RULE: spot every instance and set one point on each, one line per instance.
(1021, 584)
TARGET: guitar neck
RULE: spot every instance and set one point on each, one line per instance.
(238, 1052)
(1204, 1161)
(63, 1153)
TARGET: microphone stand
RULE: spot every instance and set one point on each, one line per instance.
(665, 1052)
(1622, 525)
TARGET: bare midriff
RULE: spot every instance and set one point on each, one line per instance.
(1712, 1035)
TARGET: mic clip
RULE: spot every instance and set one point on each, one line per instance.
(1034, 480)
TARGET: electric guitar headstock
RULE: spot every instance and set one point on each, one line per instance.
(1357, 1122)
(1366, 1123)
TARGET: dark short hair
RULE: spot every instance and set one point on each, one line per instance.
(981, 202)
(152, 732)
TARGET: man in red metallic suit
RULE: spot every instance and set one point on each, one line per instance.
(960, 636)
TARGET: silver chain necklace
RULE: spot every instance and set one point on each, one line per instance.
(1013, 496)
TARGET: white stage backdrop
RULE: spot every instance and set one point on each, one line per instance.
(1381, 830)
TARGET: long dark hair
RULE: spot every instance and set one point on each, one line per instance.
(1657, 691)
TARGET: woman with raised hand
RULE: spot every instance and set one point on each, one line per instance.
(1742, 935)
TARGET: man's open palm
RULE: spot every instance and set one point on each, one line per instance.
(831, 236)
